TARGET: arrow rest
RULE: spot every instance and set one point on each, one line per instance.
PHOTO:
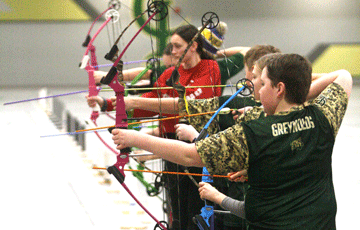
(84, 62)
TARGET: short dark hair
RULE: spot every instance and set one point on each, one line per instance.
(262, 61)
(294, 71)
(257, 52)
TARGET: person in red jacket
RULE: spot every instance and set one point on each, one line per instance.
(197, 69)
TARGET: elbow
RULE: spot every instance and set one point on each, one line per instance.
(192, 157)
(193, 163)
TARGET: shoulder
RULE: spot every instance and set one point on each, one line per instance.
(209, 62)
(210, 65)
(165, 75)
(253, 114)
(332, 102)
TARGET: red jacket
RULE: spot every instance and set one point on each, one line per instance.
(205, 73)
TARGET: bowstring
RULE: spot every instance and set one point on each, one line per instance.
(155, 55)
(166, 194)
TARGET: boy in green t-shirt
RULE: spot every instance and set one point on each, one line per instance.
(286, 146)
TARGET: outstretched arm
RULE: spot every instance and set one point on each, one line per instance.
(342, 77)
(175, 151)
(165, 105)
(92, 101)
(231, 51)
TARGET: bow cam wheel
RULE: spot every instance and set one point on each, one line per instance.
(152, 190)
(115, 4)
(159, 7)
(153, 63)
(164, 223)
(248, 87)
(211, 19)
(113, 14)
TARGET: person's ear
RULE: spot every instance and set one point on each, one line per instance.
(251, 69)
(194, 46)
(281, 89)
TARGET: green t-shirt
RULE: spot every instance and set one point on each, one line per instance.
(288, 158)
(230, 66)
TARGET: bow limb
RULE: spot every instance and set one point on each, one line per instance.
(123, 158)
(90, 46)
(155, 7)
(113, 79)
(212, 22)
(89, 63)
(112, 5)
(114, 49)
(245, 88)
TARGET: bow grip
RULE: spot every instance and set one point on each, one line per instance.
(124, 150)
(109, 56)
(173, 78)
(109, 76)
(118, 169)
(117, 174)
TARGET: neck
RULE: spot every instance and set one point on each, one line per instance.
(284, 106)
(192, 62)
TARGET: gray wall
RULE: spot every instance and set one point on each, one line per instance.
(47, 54)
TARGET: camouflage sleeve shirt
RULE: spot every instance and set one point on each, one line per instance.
(332, 102)
(222, 121)
(227, 151)
(202, 106)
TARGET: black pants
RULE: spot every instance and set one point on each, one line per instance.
(183, 196)
(184, 199)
